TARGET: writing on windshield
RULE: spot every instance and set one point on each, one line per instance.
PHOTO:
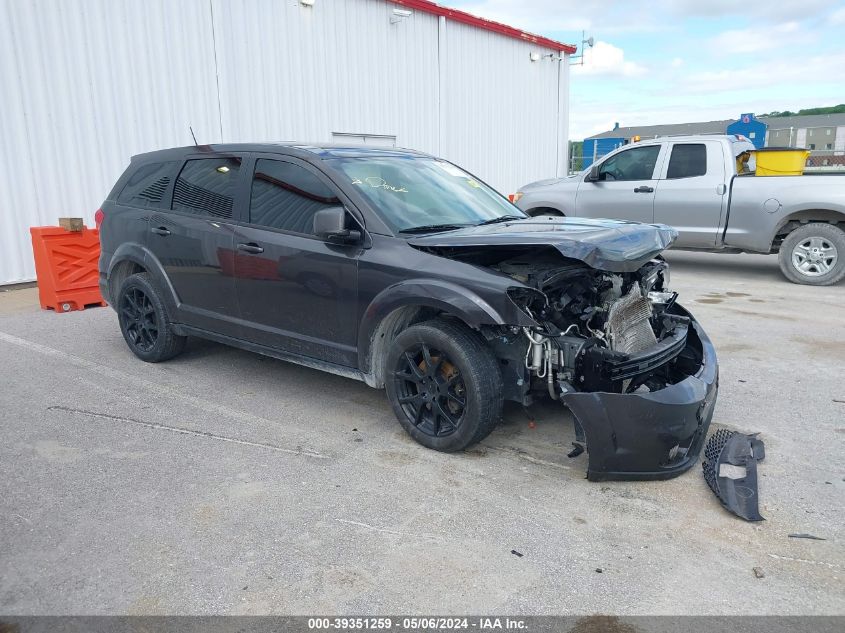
(409, 192)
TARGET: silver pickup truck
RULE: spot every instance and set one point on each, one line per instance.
(692, 184)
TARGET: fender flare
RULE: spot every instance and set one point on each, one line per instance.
(812, 213)
(138, 254)
(424, 293)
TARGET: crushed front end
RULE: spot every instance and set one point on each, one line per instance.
(637, 371)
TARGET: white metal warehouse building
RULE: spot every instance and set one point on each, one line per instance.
(85, 84)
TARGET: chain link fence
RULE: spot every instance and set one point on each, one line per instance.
(825, 160)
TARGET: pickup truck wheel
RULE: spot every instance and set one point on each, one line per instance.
(444, 385)
(143, 321)
(814, 254)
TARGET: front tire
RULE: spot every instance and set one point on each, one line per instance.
(813, 254)
(144, 322)
(444, 385)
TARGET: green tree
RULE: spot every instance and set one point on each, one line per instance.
(837, 109)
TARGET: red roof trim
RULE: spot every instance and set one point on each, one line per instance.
(488, 25)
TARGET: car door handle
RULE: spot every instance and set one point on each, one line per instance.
(160, 230)
(644, 189)
(252, 247)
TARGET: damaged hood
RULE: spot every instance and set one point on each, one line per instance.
(612, 245)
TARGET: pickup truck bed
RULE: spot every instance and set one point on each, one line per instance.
(691, 183)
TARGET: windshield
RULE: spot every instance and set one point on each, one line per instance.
(412, 192)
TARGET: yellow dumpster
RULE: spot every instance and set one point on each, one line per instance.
(781, 161)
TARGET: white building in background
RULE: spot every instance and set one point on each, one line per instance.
(85, 84)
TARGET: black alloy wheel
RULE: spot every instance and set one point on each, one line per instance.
(144, 320)
(430, 390)
(141, 321)
(444, 384)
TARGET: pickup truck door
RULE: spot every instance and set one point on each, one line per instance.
(692, 191)
(625, 188)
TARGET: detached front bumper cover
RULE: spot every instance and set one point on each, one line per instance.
(654, 435)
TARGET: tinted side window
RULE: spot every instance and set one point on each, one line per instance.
(207, 187)
(286, 196)
(632, 164)
(687, 161)
(146, 187)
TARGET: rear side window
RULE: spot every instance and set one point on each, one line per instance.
(687, 161)
(286, 196)
(207, 187)
(146, 187)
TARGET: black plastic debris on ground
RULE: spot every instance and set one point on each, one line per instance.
(738, 493)
(812, 537)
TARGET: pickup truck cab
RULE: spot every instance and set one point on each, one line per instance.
(692, 184)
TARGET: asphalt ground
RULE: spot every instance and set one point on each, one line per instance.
(223, 482)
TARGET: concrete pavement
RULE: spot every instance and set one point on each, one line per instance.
(223, 482)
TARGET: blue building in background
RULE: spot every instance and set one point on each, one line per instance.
(822, 134)
(748, 125)
(597, 147)
(751, 128)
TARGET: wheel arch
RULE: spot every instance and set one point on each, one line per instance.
(131, 258)
(545, 210)
(404, 304)
(789, 223)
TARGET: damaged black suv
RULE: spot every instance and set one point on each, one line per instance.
(404, 271)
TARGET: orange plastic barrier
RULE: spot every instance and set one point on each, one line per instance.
(66, 267)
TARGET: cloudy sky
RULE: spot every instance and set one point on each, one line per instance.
(671, 61)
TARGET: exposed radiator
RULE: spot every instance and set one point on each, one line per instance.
(628, 326)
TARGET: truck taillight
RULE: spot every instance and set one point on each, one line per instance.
(98, 217)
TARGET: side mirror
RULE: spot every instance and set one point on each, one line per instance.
(593, 176)
(330, 224)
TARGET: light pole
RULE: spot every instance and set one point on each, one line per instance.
(585, 43)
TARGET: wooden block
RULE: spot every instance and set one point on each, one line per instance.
(71, 224)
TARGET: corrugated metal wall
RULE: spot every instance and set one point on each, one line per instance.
(85, 84)
(499, 109)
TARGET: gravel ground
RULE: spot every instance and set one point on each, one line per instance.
(223, 482)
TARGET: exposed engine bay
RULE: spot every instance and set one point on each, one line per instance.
(597, 330)
(594, 324)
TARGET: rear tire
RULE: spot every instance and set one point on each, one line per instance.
(814, 254)
(444, 385)
(144, 322)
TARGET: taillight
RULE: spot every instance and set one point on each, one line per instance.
(98, 217)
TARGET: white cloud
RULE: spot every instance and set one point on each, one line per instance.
(779, 73)
(757, 39)
(606, 59)
(773, 11)
(677, 62)
(617, 16)
(837, 17)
